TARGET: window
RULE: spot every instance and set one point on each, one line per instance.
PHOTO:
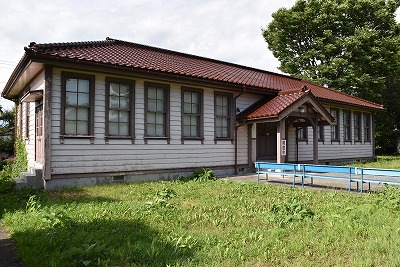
(321, 134)
(77, 100)
(357, 126)
(192, 112)
(367, 127)
(157, 110)
(223, 116)
(302, 133)
(347, 125)
(119, 108)
(27, 119)
(335, 125)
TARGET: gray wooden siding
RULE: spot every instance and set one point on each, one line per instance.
(79, 156)
(36, 84)
(328, 150)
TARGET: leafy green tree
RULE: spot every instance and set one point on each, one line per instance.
(349, 45)
(7, 131)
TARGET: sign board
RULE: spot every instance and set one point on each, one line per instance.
(283, 147)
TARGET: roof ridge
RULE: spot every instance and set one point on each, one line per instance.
(342, 93)
(33, 46)
(199, 57)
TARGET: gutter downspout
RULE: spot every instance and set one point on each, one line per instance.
(236, 130)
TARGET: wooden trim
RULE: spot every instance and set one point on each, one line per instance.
(201, 111)
(131, 131)
(249, 145)
(91, 79)
(48, 90)
(231, 116)
(166, 87)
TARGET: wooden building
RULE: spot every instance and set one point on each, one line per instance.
(103, 111)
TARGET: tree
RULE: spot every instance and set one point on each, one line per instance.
(7, 131)
(349, 45)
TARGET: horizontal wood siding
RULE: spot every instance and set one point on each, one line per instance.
(80, 156)
(36, 84)
(327, 149)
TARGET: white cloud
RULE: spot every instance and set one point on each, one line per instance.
(220, 29)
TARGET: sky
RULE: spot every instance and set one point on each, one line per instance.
(228, 30)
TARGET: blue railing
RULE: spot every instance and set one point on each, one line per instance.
(340, 173)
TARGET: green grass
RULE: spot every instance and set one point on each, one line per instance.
(211, 223)
(382, 162)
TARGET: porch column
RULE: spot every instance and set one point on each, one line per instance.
(280, 135)
(315, 141)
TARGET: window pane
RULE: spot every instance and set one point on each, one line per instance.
(114, 89)
(195, 108)
(224, 132)
(113, 128)
(160, 130)
(186, 120)
(83, 99)
(160, 106)
(151, 93)
(160, 93)
(124, 103)
(123, 116)
(71, 85)
(71, 99)
(151, 130)
(83, 114)
(225, 111)
(187, 97)
(113, 116)
(224, 123)
(218, 132)
(225, 101)
(159, 118)
(70, 127)
(151, 106)
(186, 130)
(70, 113)
(151, 117)
(193, 130)
(194, 120)
(82, 127)
(187, 108)
(124, 90)
(123, 129)
(218, 101)
(114, 102)
(83, 86)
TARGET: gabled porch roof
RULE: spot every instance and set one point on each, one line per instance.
(301, 104)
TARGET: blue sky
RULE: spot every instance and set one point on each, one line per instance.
(221, 29)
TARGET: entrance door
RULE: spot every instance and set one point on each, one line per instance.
(39, 134)
(266, 141)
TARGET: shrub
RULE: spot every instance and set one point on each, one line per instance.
(201, 175)
(14, 167)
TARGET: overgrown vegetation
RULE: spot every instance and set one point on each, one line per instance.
(14, 167)
(209, 223)
(201, 175)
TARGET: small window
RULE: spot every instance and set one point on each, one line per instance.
(192, 113)
(302, 133)
(321, 134)
(77, 99)
(347, 125)
(119, 108)
(157, 110)
(357, 126)
(223, 116)
(367, 127)
(335, 125)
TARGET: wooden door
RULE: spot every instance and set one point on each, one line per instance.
(266, 141)
(39, 134)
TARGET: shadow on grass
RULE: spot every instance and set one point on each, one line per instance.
(100, 242)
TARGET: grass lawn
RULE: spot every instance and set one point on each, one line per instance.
(383, 162)
(212, 223)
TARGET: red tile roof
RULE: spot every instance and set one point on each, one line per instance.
(136, 56)
(272, 108)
